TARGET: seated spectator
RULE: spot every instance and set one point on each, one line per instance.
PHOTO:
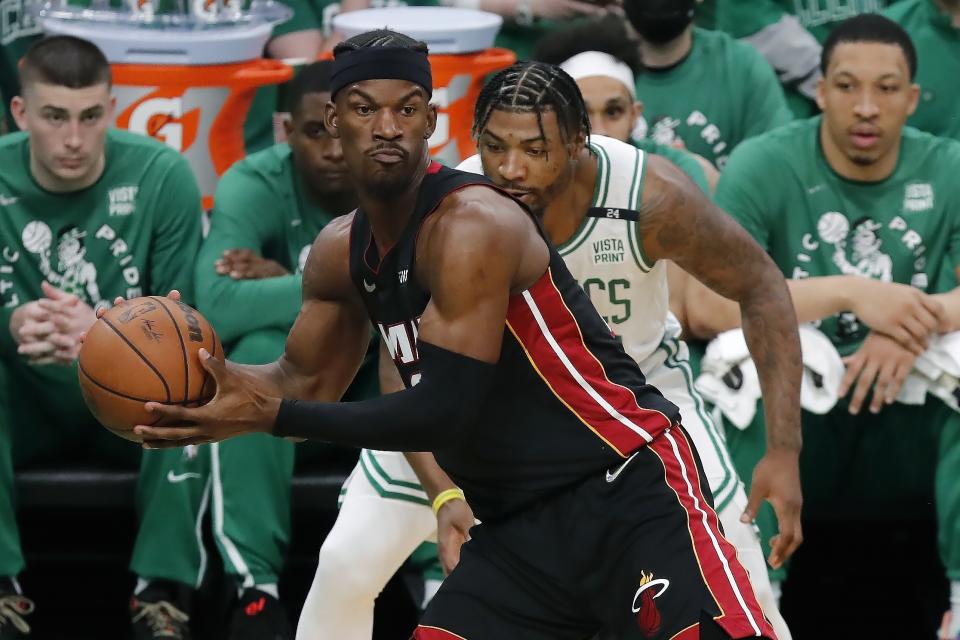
(701, 89)
(124, 211)
(603, 59)
(934, 27)
(858, 210)
(268, 209)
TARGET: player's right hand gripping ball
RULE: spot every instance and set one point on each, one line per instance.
(145, 349)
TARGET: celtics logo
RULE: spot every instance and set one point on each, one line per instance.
(888, 252)
(866, 256)
(73, 273)
(664, 130)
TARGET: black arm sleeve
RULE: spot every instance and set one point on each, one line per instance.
(428, 416)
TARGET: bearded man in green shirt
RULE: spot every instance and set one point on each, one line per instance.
(88, 214)
(701, 88)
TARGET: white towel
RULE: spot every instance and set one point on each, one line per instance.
(729, 376)
(822, 371)
(937, 372)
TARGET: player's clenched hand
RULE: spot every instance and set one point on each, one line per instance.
(453, 529)
(776, 478)
(902, 312)
(245, 264)
(238, 407)
(881, 364)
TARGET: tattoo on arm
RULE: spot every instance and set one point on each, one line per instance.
(678, 223)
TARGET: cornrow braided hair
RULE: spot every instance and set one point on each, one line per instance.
(534, 87)
(380, 38)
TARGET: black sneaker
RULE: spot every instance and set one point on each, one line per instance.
(13, 610)
(154, 615)
(259, 616)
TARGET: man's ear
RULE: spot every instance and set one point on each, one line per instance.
(288, 127)
(18, 109)
(577, 144)
(432, 115)
(820, 93)
(914, 98)
(330, 119)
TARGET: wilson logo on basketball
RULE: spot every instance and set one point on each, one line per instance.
(194, 332)
(648, 615)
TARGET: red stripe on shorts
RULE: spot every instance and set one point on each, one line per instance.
(728, 582)
(434, 633)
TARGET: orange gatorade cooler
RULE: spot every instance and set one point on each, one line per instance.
(461, 56)
(185, 79)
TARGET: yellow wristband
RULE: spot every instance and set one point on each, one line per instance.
(446, 496)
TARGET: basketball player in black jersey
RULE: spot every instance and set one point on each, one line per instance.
(594, 507)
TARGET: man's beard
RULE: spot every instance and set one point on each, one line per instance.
(659, 21)
(388, 186)
(862, 161)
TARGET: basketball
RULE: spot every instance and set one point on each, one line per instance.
(145, 349)
(36, 237)
(833, 227)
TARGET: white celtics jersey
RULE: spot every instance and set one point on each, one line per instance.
(606, 257)
(605, 254)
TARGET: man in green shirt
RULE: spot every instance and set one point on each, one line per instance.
(934, 27)
(600, 56)
(701, 88)
(268, 210)
(88, 214)
(855, 193)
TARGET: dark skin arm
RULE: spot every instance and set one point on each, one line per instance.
(324, 348)
(678, 223)
(466, 315)
(455, 516)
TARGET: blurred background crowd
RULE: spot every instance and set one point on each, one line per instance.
(223, 538)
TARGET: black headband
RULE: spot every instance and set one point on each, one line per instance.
(381, 63)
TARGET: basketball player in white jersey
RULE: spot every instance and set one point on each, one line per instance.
(385, 511)
(603, 247)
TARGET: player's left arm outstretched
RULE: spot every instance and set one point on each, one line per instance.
(678, 223)
(460, 336)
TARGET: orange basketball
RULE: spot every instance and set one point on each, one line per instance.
(142, 350)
